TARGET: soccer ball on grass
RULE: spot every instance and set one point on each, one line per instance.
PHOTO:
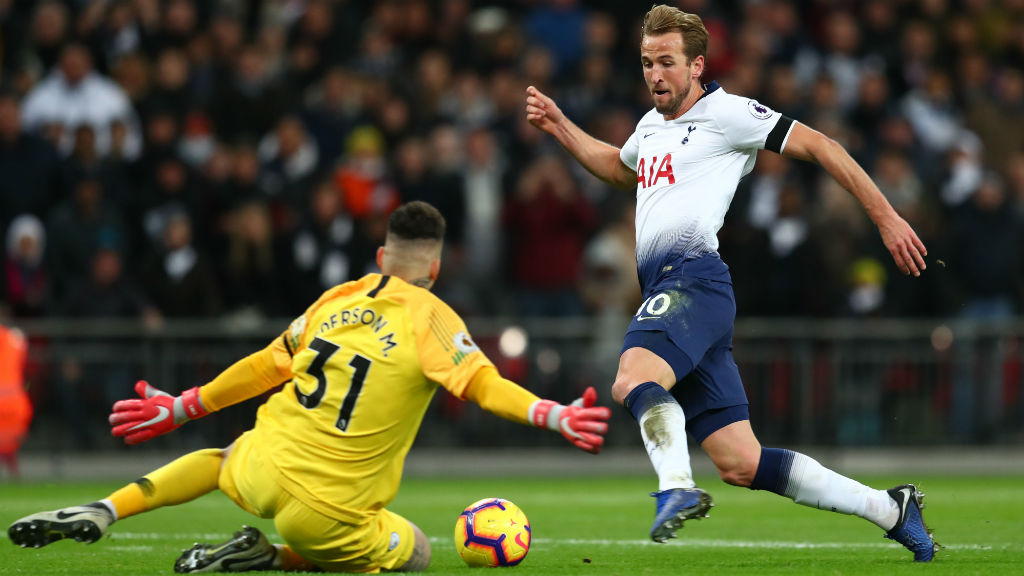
(492, 532)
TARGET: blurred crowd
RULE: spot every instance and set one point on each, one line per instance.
(182, 158)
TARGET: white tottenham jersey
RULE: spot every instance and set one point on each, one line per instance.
(688, 168)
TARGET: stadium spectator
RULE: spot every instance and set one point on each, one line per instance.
(85, 161)
(113, 30)
(288, 160)
(484, 179)
(74, 94)
(332, 115)
(30, 178)
(169, 188)
(76, 228)
(609, 289)
(550, 222)
(25, 276)
(133, 73)
(990, 282)
(49, 31)
(327, 248)
(249, 100)
(177, 275)
(868, 113)
(361, 176)
(107, 292)
(559, 26)
(445, 187)
(249, 263)
(608, 282)
(998, 118)
(15, 406)
(932, 114)
(244, 182)
(170, 89)
(85, 384)
(681, 338)
(326, 475)
(839, 58)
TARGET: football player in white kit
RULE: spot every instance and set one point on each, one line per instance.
(685, 160)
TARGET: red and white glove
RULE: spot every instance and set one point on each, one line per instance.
(155, 413)
(582, 423)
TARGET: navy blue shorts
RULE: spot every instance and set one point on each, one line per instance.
(687, 319)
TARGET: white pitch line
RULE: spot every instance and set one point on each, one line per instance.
(760, 544)
(685, 543)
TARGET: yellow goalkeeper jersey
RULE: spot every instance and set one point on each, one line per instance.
(365, 358)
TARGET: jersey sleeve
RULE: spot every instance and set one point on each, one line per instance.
(630, 152)
(447, 353)
(248, 377)
(258, 372)
(501, 397)
(749, 124)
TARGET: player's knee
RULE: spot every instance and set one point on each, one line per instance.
(621, 388)
(738, 471)
(420, 559)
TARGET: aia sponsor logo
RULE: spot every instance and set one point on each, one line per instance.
(651, 173)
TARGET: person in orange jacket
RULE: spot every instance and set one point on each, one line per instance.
(15, 407)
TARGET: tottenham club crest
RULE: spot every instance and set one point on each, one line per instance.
(758, 110)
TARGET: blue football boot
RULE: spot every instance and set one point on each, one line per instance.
(675, 506)
(910, 529)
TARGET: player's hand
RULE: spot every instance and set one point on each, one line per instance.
(902, 242)
(581, 423)
(541, 111)
(155, 413)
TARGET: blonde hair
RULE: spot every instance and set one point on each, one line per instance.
(662, 19)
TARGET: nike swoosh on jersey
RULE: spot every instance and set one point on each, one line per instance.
(649, 134)
(642, 318)
(162, 414)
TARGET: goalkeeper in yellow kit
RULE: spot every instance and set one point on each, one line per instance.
(326, 454)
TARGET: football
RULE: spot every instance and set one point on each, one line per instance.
(492, 532)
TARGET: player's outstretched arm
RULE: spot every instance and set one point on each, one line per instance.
(154, 413)
(581, 423)
(899, 238)
(157, 412)
(599, 158)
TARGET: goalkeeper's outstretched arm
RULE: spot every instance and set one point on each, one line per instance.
(581, 423)
(156, 412)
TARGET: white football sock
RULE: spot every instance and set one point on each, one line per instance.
(811, 484)
(110, 507)
(663, 428)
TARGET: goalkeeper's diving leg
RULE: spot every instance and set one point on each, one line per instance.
(180, 481)
(183, 480)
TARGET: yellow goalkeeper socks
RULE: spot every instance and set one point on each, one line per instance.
(183, 480)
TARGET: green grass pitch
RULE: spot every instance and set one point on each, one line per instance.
(592, 526)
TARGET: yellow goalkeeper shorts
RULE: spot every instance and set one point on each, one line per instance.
(383, 541)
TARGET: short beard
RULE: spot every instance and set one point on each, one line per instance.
(674, 104)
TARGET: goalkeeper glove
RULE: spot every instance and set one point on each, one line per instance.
(582, 423)
(156, 413)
